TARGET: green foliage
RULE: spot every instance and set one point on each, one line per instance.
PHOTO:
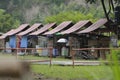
(20, 8)
(73, 16)
(7, 22)
(115, 57)
(37, 19)
(94, 1)
(117, 1)
(77, 73)
(90, 1)
(32, 11)
(26, 12)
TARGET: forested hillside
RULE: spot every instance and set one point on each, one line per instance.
(44, 11)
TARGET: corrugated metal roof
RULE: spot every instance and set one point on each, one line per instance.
(32, 28)
(1, 33)
(76, 27)
(43, 29)
(6, 34)
(14, 31)
(60, 27)
(19, 29)
(2, 37)
(94, 26)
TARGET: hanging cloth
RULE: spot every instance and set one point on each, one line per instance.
(24, 42)
(12, 41)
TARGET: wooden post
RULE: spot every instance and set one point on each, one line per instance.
(50, 56)
(4, 45)
(17, 45)
(70, 44)
(73, 63)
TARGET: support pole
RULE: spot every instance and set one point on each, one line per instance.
(16, 45)
(50, 56)
(73, 63)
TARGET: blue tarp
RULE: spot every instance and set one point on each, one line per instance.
(12, 41)
(24, 42)
(55, 52)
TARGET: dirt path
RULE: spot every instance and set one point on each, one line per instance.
(35, 76)
(42, 77)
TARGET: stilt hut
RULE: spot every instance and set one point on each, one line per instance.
(53, 36)
(43, 40)
(9, 38)
(27, 41)
(96, 38)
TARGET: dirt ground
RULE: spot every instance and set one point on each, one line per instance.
(34, 76)
(42, 77)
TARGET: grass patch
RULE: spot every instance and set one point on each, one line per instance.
(79, 72)
(32, 57)
(104, 72)
(115, 65)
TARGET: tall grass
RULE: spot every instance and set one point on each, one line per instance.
(77, 73)
(103, 72)
(114, 64)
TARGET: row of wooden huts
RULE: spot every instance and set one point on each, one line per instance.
(83, 34)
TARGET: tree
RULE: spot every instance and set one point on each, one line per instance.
(31, 11)
(93, 1)
(73, 16)
(115, 22)
(7, 22)
(111, 6)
